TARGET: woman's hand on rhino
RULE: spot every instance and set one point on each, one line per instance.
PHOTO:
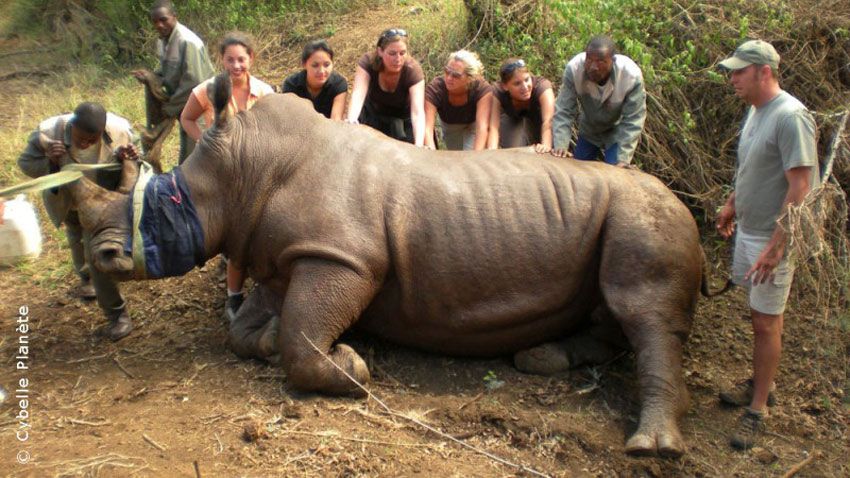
(561, 153)
(542, 149)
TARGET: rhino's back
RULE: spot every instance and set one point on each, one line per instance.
(489, 251)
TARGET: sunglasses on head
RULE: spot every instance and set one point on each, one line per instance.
(512, 67)
(394, 32)
(454, 74)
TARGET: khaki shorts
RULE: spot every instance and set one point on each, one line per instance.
(770, 296)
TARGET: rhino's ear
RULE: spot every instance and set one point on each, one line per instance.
(222, 89)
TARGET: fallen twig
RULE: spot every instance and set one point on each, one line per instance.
(392, 412)
(126, 372)
(87, 359)
(16, 74)
(197, 469)
(300, 457)
(799, 466)
(220, 445)
(152, 442)
(474, 399)
(335, 434)
(92, 466)
(88, 423)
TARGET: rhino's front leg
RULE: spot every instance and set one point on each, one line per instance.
(253, 334)
(323, 300)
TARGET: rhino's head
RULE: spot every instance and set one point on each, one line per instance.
(104, 214)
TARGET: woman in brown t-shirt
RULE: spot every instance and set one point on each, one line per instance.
(462, 99)
(522, 111)
(389, 90)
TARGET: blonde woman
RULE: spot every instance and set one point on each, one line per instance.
(462, 99)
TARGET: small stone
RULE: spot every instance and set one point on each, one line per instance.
(764, 456)
(254, 431)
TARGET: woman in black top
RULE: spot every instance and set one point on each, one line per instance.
(318, 82)
(389, 90)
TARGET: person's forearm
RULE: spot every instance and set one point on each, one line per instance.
(358, 94)
(191, 128)
(338, 107)
(794, 197)
(480, 136)
(546, 134)
(418, 122)
(357, 100)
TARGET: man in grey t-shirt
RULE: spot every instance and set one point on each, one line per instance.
(776, 168)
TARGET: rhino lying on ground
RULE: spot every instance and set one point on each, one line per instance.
(476, 254)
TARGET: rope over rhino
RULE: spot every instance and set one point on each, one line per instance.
(463, 253)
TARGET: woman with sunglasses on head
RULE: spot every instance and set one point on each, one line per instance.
(237, 56)
(462, 99)
(389, 90)
(318, 82)
(522, 111)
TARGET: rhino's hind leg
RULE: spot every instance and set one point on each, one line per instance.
(664, 398)
(322, 301)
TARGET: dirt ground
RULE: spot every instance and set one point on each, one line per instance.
(172, 400)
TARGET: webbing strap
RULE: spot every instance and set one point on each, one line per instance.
(145, 175)
(68, 174)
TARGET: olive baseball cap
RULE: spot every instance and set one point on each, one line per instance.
(753, 52)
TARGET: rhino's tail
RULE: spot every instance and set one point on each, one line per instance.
(704, 285)
(222, 89)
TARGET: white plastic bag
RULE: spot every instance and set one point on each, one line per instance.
(20, 233)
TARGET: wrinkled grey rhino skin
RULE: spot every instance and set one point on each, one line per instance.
(476, 254)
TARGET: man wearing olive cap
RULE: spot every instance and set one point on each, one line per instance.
(776, 168)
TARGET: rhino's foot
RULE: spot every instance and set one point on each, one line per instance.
(267, 343)
(652, 441)
(316, 373)
(546, 359)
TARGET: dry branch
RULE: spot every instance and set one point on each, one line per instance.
(120, 366)
(87, 359)
(88, 423)
(152, 442)
(799, 466)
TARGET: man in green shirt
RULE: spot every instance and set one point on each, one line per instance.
(777, 166)
(184, 63)
(89, 136)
